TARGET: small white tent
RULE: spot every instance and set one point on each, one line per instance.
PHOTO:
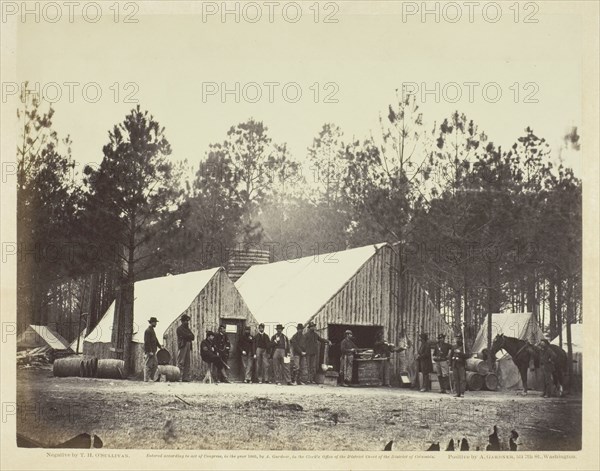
(519, 325)
(576, 345)
(41, 336)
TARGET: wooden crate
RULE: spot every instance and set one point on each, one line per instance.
(369, 372)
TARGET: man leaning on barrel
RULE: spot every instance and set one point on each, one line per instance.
(151, 345)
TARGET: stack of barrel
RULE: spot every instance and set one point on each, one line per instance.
(479, 375)
(89, 367)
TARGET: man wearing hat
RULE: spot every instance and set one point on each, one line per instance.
(281, 349)
(424, 365)
(263, 347)
(185, 337)
(151, 344)
(247, 348)
(311, 345)
(458, 359)
(209, 354)
(441, 353)
(223, 348)
(548, 361)
(348, 348)
(383, 349)
(298, 355)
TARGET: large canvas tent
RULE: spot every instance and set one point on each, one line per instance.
(519, 325)
(360, 289)
(209, 297)
(41, 336)
(576, 345)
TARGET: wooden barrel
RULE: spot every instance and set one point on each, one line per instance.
(163, 357)
(113, 369)
(491, 382)
(171, 372)
(70, 366)
(477, 365)
(474, 381)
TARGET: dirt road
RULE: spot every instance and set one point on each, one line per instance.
(130, 414)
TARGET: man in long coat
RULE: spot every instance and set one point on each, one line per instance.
(185, 337)
(247, 348)
(151, 345)
(441, 353)
(298, 355)
(223, 348)
(311, 344)
(424, 365)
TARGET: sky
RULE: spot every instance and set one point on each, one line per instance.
(170, 62)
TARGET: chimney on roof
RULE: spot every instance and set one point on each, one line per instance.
(240, 260)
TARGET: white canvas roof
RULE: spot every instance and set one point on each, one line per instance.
(576, 338)
(165, 298)
(53, 339)
(521, 325)
(292, 291)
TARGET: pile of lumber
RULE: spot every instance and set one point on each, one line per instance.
(40, 357)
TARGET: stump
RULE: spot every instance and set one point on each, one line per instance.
(474, 381)
(112, 369)
(71, 366)
(170, 372)
(477, 365)
(491, 382)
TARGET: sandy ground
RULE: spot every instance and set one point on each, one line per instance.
(131, 414)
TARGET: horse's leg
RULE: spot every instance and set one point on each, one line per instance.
(523, 371)
(559, 381)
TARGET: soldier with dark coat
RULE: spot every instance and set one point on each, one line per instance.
(185, 337)
(209, 354)
(442, 367)
(263, 346)
(548, 360)
(247, 348)
(298, 355)
(424, 365)
(458, 360)
(223, 348)
(151, 345)
(383, 349)
(311, 344)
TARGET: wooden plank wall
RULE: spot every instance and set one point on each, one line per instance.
(379, 295)
(219, 299)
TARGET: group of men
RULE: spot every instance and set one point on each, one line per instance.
(260, 351)
(444, 357)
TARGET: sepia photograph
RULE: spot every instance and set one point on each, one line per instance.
(299, 234)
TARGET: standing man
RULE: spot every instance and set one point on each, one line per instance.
(458, 360)
(311, 345)
(548, 363)
(440, 357)
(223, 348)
(208, 353)
(185, 337)
(298, 355)
(383, 349)
(348, 349)
(424, 365)
(281, 349)
(247, 348)
(263, 344)
(151, 344)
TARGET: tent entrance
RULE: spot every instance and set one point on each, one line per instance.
(364, 337)
(234, 329)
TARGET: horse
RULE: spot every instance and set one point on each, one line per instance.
(522, 352)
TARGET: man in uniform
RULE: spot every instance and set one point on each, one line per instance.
(311, 344)
(348, 349)
(383, 349)
(281, 349)
(424, 365)
(223, 348)
(151, 345)
(440, 357)
(247, 348)
(298, 355)
(548, 363)
(263, 345)
(209, 354)
(458, 360)
(185, 337)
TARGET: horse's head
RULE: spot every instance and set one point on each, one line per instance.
(497, 344)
